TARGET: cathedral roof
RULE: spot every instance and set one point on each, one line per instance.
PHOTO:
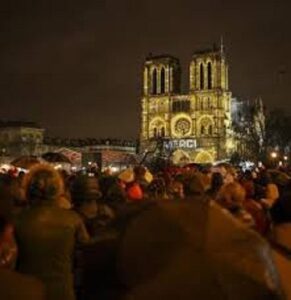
(14, 124)
(162, 57)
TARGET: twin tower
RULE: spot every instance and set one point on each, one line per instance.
(199, 122)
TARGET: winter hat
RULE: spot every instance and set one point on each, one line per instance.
(134, 192)
(43, 183)
(85, 189)
(193, 184)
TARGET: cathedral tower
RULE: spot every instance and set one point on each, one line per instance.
(161, 75)
(161, 80)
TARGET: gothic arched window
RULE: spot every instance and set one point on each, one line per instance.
(197, 104)
(209, 75)
(155, 132)
(209, 103)
(210, 130)
(154, 82)
(163, 78)
(162, 131)
(201, 77)
(202, 130)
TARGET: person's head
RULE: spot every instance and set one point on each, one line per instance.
(43, 184)
(231, 195)
(216, 181)
(139, 172)
(193, 185)
(248, 175)
(112, 189)
(157, 186)
(85, 193)
(265, 178)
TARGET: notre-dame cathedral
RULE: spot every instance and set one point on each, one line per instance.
(199, 122)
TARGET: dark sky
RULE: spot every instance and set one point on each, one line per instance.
(75, 66)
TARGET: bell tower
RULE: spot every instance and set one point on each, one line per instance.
(209, 70)
(161, 80)
(210, 95)
(161, 75)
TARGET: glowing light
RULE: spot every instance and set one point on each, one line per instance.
(274, 154)
(114, 169)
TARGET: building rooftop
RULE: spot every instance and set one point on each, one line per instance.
(14, 124)
(167, 57)
(75, 142)
(214, 50)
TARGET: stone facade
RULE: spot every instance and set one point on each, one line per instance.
(20, 138)
(203, 115)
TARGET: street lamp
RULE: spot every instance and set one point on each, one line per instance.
(285, 157)
(274, 155)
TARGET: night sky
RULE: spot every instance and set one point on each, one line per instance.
(75, 66)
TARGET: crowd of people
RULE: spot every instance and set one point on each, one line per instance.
(60, 233)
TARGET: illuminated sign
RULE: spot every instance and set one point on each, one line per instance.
(180, 143)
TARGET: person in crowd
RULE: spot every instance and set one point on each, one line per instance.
(86, 198)
(193, 184)
(8, 248)
(216, 184)
(15, 286)
(206, 176)
(176, 190)
(139, 177)
(270, 190)
(93, 262)
(65, 199)
(231, 197)
(157, 189)
(113, 191)
(253, 206)
(281, 210)
(247, 182)
(191, 249)
(46, 234)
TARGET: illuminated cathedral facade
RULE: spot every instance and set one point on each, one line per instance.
(198, 122)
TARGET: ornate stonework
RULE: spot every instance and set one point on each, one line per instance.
(203, 114)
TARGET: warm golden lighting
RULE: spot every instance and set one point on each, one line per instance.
(202, 114)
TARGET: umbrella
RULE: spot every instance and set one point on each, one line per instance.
(127, 175)
(25, 161)
(56, 157)
(148, 176)
(191, 250)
